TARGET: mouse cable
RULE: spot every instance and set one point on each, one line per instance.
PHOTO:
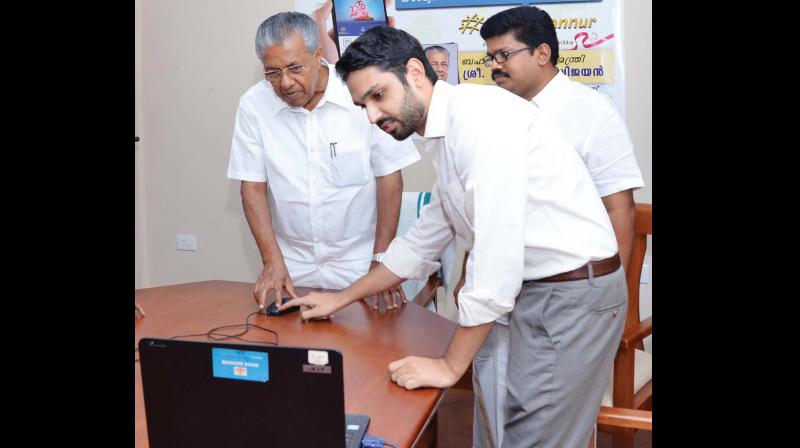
(216, 335)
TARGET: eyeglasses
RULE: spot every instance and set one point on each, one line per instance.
(502, 56)
(276, 75)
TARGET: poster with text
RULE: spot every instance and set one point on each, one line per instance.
(589, 33)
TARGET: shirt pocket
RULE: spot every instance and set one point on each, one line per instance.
(349, 163)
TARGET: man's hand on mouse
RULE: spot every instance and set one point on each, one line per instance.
(318, 305)
(273, 277)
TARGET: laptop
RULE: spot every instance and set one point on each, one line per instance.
(215, 394)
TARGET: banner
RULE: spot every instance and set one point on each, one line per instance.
(589, 34)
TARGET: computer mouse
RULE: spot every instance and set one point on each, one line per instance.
(272, 310)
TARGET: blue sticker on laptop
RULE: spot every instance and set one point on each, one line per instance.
(241, 365)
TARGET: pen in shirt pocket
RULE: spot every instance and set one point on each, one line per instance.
(333, 149)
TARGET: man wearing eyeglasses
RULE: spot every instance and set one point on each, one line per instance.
(522, 51)
(439, 58)
(516, 194)
(320, 186)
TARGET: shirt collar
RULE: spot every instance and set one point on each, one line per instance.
(550, 92)
(437, 110)
(335, 91)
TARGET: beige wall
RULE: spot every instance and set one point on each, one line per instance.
(194, 59)
(197, 58)
(140, 257)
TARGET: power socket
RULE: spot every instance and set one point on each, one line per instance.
(186, 242)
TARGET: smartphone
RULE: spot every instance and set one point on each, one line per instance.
(351, 18)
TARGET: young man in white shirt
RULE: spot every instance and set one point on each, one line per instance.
(519, 198)
(522, 50)
(312, 169)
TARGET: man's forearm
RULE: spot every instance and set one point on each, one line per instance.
(389, 193)
(464, 346)
(255, 203)
(376, 280)
(621, 210)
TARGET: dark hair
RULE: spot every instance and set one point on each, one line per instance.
(530, 25)
(386, 48)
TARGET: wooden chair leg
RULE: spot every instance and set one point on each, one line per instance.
(622, 438)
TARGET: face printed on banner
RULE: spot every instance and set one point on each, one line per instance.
(439, 62)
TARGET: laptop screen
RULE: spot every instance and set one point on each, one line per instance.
(200, 393)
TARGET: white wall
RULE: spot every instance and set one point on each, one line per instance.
(194, 59)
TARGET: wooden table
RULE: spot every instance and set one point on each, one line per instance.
(369, 340)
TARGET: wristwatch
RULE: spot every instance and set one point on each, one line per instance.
(378, 257)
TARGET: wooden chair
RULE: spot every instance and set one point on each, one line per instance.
(630, 388)
(427, 294)
(623, 418)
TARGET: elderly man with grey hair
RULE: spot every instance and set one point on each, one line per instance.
(439, 58)
(320, 185)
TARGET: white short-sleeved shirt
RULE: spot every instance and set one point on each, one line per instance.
(591, 123)
(514, 191)
(320, 167)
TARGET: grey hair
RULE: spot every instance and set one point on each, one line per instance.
(438, 48)
(281, 26)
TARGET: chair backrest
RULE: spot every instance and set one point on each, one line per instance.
(642, 227)
(411, 204)
(632, 366)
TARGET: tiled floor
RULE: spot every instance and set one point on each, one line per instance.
(455, 424)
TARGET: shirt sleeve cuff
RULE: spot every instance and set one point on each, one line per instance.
(628, 184)
(395, 165)
(249, 177)
(474, 311)
(403, 262)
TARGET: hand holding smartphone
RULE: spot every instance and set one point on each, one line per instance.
(351, 18)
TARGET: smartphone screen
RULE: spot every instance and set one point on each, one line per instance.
(351, 18)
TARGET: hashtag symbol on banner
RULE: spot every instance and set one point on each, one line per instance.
(471, 23)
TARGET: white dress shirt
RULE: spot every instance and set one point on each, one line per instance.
(512, 189)
(591, 123)
(320, 167)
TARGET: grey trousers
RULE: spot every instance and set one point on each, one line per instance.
(489, 387)
(561, 342)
